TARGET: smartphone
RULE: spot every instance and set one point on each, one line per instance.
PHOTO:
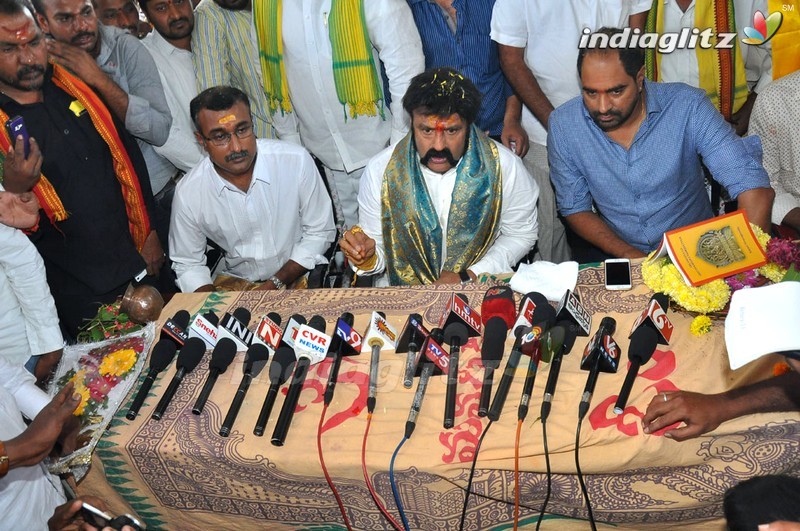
(618, 273)
(101, 519)
(16, 127)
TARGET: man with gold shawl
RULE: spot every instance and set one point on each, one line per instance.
(446, 203)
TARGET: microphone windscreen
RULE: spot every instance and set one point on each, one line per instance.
(212, 318)
(662, 299)
(163, 353)
(223, 354)
(181, 318)
(242, 314)
(282, 365)
(643, 343)
(274, 317)
(317, 322)
(494, 339)
(499, 302)
(256, 358)
(544, 313)
(553, 342)
(191, 353)
(570, 334)
(455, 333)
(348, 318)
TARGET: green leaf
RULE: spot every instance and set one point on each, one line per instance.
(791, 275)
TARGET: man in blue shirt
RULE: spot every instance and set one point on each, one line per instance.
(626, 156)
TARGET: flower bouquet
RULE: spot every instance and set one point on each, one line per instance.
(711, 299)
(102, 373)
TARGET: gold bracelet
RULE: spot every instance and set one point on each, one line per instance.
(3, 460)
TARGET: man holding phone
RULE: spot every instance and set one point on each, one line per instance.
(90, 178)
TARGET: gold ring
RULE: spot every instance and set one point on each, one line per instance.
(355, 229)
(663, 394)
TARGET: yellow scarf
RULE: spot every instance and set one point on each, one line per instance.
(355, 77)
(786, 42)
(722, 73)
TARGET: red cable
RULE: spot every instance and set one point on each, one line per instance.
(372, 492)
(516, 475)
(325, 470)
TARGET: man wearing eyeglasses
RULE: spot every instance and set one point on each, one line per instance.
(262, 201)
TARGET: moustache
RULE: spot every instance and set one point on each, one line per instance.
(233, 157)
(80, 36)
(178, 21)
(26, 70)
(446, 153)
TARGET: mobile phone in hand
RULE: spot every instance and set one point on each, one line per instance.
(101, 519)
(16, 127)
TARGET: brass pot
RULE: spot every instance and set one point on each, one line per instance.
(142, 303)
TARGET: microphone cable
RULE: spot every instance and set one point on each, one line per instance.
(472, 475)
(516, 474)
(580, 474)
(325, 470)
(395, 493)
(549, 474)
(370, 487)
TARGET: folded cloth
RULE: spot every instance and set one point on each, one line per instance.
(549, 279)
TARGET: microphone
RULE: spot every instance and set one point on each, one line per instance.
(497, 312)
(524, 344)
(312, 344)
(411, 338)
(254, 362)
(235, 327)
(279, 370)
(458, 310)
(380, 336)
(190, 355)
(205, 327)
(570, 309)
(525, 313)
(162, 355)
(221, 357)
(601, 354)
(433, 359)
(269, 331)
(655, 317)
(345, 342)
(570, 334)
(643, 343)
(455, 335)
(175, 329)
(291, 330)
(546, 343)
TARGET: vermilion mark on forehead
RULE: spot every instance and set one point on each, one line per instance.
(439, 126)
(20, 31)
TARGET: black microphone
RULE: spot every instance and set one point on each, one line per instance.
(205, 327)
(235, 327)
(190, 355)
(524, 344)
(570, 309)
(497, 313)
(293, 394)
(254, 362)
(642, 346)
(655, 317)
(290, 332)
(380, 335)
(458, 310)
(279, 371)
(548, 341)
(455, 335)
(346, 342)
(601, 355)
(269, 331)
(432, 358)
(175, 329)
(570, 334)
(411, 339)
(221, 357)
(162, 355)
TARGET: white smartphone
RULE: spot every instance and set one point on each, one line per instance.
(617, 273)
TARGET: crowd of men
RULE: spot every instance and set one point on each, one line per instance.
(431, 141)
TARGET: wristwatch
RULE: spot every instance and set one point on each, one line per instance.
(278, 282)
(3, 460)
(464, 276)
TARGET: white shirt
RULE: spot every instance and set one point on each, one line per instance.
(341, 142)
(176, 71)
(28, 318)
(681, 64)
(28, 494)
(550, 31)
(518, 222)
(776, 119)
(285, 215)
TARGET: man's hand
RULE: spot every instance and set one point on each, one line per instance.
(46, 365)
(37, 441)
(153, 254)
(447, 277)
(741, 118)
(20, 174)
(357, 247)
(699, 413)
(20, 211)
(67, 517)
(76, 60)
(514, 132)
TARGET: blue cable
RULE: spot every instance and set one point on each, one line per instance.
(394, 485)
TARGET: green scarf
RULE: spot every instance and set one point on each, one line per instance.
(412, 236)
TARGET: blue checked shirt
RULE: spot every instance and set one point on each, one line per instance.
(470, 50)
(657, 185)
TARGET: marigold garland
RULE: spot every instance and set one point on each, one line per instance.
(701, 325)
(118, 363)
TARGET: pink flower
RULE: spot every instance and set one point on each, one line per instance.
(783, 252)
(748, 279)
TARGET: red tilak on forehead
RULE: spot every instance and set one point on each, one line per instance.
(19, 31)
(440, 126)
